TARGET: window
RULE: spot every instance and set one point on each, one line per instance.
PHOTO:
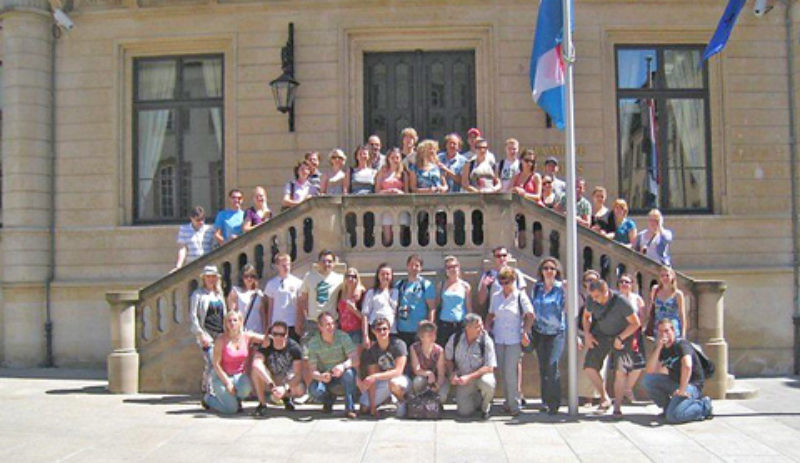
(663, 121)
(177, 124)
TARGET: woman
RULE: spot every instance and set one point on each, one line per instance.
(230, 384)
(391, 180)
(299, 189)
(455, 301)
(655, 240)
(667, 301)
(259, 212)
(427, 362)
(508, 308)
(633, 366)
(549, 305)
(361, 177)
(350, 296)
(478, 175)
(334, 182)
(426, 177)
(603, 220)
(528, 183)
(380, 302)
(207, 311)
(549, 198)
(626, 228)
(409, 149)
(249, 301)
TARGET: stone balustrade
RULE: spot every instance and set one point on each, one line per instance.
(354, 227)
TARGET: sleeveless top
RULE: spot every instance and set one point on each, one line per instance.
(253, 321)
(234, 357)
(428, 178)
(454, 304)
(362, 181)
(255, 219)
(427, 363)
(336, 183)
(667, 309)
(482, 175)
(392, 181)
(348, 321)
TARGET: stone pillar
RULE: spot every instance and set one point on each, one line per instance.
(123, 361)
(711, 333)
(27, 168)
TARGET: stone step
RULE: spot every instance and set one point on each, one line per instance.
(741, 390)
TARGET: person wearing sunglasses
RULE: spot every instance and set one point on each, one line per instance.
(278, 369)
(248, 299)
(195, 238)
(228, 222)
(549, 303)
(385, 362)
(332, 362)
(455, 301)
(281, 295)
(349, 305)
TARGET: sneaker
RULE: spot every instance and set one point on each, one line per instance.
(327, 408)
(351, 415)
(288, 404)
(709, 408)
(260, 410)
(522, 401)
(204, 404)
(401, 410)
(302, 399)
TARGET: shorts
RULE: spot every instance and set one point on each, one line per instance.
(605, 344)
(633, 358)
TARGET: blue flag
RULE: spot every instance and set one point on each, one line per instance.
(547, 70)
(724, 28)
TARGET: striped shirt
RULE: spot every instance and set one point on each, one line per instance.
(325, 356)
(197, 242)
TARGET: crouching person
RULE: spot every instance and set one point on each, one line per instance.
(278, 369)
(385, 361)
(471, 362)
(331, 358)
(427, 362)
(674, 378)
(230, 384)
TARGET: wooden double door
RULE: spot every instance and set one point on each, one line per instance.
(433, 92)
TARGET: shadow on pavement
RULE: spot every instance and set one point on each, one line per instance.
(91, 390)
(53, 373)
(165, 400)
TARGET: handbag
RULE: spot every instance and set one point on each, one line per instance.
(424, 406)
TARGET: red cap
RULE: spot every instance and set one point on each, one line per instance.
(474, 131)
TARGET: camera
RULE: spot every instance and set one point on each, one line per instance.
(62, 20)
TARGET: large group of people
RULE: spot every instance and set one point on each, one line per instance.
(325, 335)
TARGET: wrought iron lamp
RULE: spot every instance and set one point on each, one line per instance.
(285, 86)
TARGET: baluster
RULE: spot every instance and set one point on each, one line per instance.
(588, 258)
(538, 239)
(308, 235)
(459, 228)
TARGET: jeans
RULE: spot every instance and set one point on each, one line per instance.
(508, 356)
(549, 348)
(221, 400)
(322, 391)
(676, 408)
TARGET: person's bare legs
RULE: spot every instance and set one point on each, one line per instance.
(633, 377)
(260, 377)
(620, 383)
(597, 382)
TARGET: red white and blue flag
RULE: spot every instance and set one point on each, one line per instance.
(547, 69)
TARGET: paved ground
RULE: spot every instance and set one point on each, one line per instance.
(59, 415)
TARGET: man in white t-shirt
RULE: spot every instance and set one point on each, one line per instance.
(281, 292)
(318, 294)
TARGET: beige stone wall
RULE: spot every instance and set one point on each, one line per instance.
(95, 240)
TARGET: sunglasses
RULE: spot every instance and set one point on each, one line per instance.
(352, 277)
(381, 329)
(624, 282)
(249, 277)
(506, 281)
(548, 268)
(547, 183)
(278, 334)
(500, 256)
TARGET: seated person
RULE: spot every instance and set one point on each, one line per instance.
(427, 362)
(385, 361)
(331, 358)
(278, 369)
(674, 378)
(230, 384)
(470, 363)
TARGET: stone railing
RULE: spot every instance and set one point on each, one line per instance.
(364, 231)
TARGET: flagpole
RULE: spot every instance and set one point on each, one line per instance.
(571, 266)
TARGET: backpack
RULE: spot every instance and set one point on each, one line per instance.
(425, 406)
(457, 338)
(705, 363)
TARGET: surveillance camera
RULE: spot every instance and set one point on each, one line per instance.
(62, 19)
(763, 7)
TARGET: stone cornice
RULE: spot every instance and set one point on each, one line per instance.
(39, 6)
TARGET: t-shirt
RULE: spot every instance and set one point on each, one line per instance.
(197, 241)
(610, 319)
(280, 362)
(671, 357)
(230, 222)
(506, 170)
(412, 306)
(325, 356)
(380, 304)
(385, 359)
(582, 207)
(321, 293)
(621, 235)
(283, 292)
(300, 191)
(456, 163)
(559, 186)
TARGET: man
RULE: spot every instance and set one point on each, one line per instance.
(315, 178)
(451, 162)
(194, 238)
(674, 378)
(317, 294)
(583, 208)
(278, 369)
(489, 283)
(281, 295)
(228, 223)
(332, 357)
(609, 322)
(471, 362)
(473, 135)
(551, 169)
(509, 166)
(386, 361)
(416, 300)
(376, 158)
(409, 148)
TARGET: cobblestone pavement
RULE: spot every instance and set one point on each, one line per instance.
(66, 415)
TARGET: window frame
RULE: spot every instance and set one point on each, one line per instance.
(661, 94)
(177, 106)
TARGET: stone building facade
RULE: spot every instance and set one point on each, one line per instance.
(87, 208)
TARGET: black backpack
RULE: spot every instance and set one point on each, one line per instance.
(708, 366)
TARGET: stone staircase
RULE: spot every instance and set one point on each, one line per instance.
(153, 350)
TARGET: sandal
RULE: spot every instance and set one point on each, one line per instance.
(603, 407)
